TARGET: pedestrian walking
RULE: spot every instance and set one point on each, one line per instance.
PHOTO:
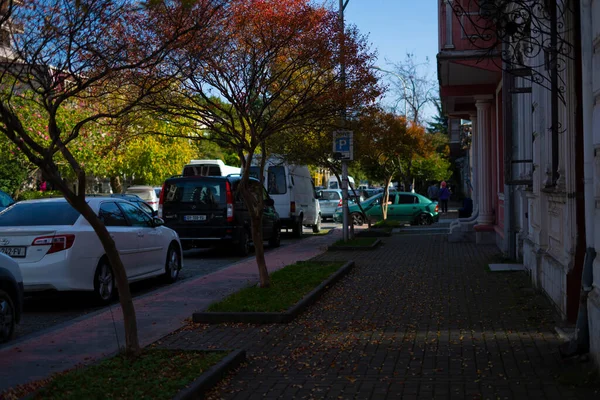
(444, 196)
(433, 192)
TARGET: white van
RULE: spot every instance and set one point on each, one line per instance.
(334, 184)
(291, 187)
(209, 168)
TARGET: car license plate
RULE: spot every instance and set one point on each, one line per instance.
(13, 251)
(194, 218)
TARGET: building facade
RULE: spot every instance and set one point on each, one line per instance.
(529, 85)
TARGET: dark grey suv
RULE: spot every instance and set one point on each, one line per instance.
(207, 211)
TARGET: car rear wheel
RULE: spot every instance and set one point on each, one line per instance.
(173, 264)
(275, 240)
(317, 227)
(424, 219)
(243, 247)
(8, 316)
(297, 231)
(104, 283)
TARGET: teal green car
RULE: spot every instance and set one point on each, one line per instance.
(410, 208)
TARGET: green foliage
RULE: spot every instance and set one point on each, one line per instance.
(155, 374)
(386, 223)
(36, 194)
(14, 167)
(440, 121)
(209, 150)
(288, 286)
(145, 148)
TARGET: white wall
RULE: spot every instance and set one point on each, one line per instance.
(594, 53)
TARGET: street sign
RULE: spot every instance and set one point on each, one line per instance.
(343, 144)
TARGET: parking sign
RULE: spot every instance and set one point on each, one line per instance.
(343, 144)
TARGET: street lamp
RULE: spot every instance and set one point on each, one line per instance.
(401, 80)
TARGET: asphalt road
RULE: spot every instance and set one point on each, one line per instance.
(46, 311)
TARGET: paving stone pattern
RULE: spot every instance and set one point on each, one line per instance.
(417, 318)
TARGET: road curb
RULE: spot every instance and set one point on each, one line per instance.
(374, 232)
(355, 248)
(211, 378)
(273, 317)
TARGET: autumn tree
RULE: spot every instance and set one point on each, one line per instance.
(102, 55)
(385, 144)
(273, 69)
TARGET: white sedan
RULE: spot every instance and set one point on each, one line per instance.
(57, 249)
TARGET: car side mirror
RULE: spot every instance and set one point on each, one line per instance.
(157, 221)
(154, 213)
(269, 202)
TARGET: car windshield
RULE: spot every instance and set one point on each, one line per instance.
(144, 194)
(199, 192)
(39, 213)
(5, 200)
(330, 196)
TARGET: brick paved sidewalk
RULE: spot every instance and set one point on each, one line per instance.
(417, 318)
(158, 313)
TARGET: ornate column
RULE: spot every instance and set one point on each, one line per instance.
(484, 166)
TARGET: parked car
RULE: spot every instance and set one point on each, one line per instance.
(137, 200)
(209, 168)
(146, 193)
(157, 190)
(405, 207)
(291, 187)
(329, 200)
(5, 200)
(11, 296)
(208, 210)
(57, 249)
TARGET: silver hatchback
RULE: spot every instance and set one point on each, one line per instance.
(329, 200)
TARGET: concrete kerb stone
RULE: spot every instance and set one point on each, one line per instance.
(354, 248)
(274, 317)
(375, 232)
(210, 378)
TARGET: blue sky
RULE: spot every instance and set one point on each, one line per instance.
(395, 27)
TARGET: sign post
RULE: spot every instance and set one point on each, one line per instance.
(343, 149)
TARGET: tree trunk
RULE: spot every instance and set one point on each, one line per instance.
(253, 199)
(132, 345)
(115, 184)
(259, 251)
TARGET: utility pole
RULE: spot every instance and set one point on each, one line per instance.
(345, 216)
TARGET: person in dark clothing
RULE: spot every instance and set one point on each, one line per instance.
(433, 192)
(444, 196)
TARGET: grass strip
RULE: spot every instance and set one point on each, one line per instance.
(356, 242)
(386, 223)
(288, 286)
(155, 374)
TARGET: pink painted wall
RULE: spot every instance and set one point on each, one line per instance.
(461, 27)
